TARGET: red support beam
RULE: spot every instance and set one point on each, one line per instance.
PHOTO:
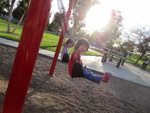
(33, 30)
(60, 40)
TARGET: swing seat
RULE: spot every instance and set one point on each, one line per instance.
(77, 70)
(65, 58)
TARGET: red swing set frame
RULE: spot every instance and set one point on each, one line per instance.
(32, 34)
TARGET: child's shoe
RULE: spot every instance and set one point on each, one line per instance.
(106, 77)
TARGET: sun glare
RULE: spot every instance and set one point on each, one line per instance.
(97, 17)
(132, 11)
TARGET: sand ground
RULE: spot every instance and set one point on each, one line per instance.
(62, 94)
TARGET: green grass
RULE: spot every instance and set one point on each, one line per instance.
(139, 64)
(49, 41)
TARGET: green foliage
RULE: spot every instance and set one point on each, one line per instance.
(58, 17)
(6, 5)
(139, 64)
(4, 13)
(1, 9)
(54, 26)
(126, 46)
(24, 4)
(17, 13)
(56, 23)
(145, 57)
(22, 8)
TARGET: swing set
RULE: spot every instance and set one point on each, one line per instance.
(77, 68)
(27, 52)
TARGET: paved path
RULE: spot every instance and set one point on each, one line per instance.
(127, 72)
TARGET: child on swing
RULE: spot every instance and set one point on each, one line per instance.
(65, 51)
(81, 47)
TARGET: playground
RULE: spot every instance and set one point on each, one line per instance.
(31, 82)
(61, 93)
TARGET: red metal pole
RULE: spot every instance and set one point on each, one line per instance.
(26, 55)
(60, 40)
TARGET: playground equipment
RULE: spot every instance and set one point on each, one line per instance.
(61, 39)
(26, 55)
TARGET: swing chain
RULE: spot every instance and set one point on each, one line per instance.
(63, 17)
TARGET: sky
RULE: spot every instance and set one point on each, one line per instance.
(133, 11)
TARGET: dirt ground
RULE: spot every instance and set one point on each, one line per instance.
(62, 94)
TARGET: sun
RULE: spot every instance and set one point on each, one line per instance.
(97, 17)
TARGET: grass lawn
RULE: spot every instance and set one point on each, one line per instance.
(49, 41)
(139, 64)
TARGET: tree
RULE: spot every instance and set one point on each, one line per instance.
(82, 33)
(22, 7)
(54, 27)
(10, 15)
(80, 9)
(4, 13)
(98, 37)
(140, 38)
(57, 18)
(113, 29)
(56, 23)
(1, 8)
(127, 46)
(94, 36)
(17, 13)
(4, 5)
(9, 7)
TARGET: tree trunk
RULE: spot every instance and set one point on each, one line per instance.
(57, 32)
(139, 58)
(74, 27)
(129, 55)
(10, 15)
(19, 22)
(71, 33)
